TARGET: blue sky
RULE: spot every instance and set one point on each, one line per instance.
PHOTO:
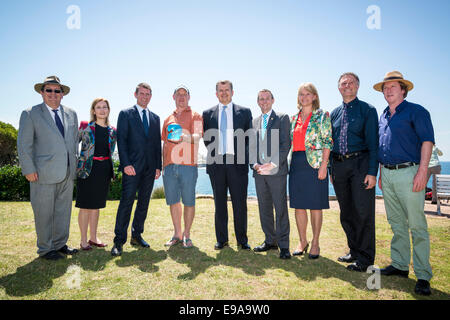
(256, 44)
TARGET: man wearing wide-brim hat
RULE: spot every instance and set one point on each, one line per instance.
(47, 146)
(406, 141)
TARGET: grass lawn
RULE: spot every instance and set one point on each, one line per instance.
(202, 272)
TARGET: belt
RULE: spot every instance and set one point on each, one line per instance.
(101, 158)
(343, 157)
(400, 165)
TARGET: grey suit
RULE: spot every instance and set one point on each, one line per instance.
(271, 189)
(43, 149)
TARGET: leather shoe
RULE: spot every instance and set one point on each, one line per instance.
(265, 247)
(284, 253)
(220, 245)
(52, 255)
(138, 241)
(116, 250)
(67, 250)
(422, 287)
(356, 266)
(393, 271)
(245, 246)
(347, 258)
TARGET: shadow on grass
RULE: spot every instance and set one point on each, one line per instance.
(38, 275)
(303, 268)
(34, 277)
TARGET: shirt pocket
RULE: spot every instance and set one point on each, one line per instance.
(355, 124)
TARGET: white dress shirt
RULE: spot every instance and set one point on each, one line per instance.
(230, 131)
(140, 109)
(52, 114)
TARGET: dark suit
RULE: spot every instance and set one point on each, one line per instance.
(271, 189)
(144, 154)
(225, 175)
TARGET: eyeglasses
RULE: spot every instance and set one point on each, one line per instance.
(51, 91)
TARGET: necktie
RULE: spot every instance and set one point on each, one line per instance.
(344, 129)
(223, 129)
(263, 131)
(145, 122)
(59, 122)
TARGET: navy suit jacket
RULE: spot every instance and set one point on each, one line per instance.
(242, 119)
(134, 147)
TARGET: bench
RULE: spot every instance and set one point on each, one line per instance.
(442, 189)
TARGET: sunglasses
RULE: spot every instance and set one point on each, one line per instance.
(51, 91)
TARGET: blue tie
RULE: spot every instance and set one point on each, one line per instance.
(59, 123)
(263, 131)
(223, 129)
(145, 122)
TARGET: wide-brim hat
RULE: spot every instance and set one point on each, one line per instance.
(51, 80)
(393, 76)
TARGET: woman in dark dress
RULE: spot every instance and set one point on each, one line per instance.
(308, 178)
(94, 170)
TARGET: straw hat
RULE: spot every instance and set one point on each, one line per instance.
(51, 80)
(393, 76)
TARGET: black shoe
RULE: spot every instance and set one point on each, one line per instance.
(116, 250)
(393, 271)
(314, 256)
(67, 250)
(138, 241)
(422, 287)
(265, 247)
(220, 245)
(284, 253)
(245, 246)
(52, 255)
(300, 253)
(347, 258)
(356, 266)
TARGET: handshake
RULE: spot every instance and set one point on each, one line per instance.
(264, 169)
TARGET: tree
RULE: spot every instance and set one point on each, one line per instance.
(8, 144)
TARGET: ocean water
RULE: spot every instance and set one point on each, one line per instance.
(204, 185)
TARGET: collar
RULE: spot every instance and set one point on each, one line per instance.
(398, 109)
(229, 106)
(351, 103)
(268, 113)
(51, 109)
(139, 108)
(188, 109)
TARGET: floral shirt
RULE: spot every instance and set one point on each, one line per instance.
(86, 134)
(318, 136)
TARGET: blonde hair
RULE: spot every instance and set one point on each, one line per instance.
(94, 103)
(308, 86)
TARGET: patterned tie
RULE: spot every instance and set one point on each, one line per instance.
(344, 129)
(59, 122)
(145, 122)
(263, 131)
(223, 129)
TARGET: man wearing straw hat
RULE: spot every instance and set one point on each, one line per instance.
(406, 140)
(47, 146)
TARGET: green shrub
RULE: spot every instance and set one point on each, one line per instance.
(158, 193)
(13, 185)
(8, 144)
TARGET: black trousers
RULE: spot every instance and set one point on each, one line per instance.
(357, 206)
(232, 177)
(142, 183)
